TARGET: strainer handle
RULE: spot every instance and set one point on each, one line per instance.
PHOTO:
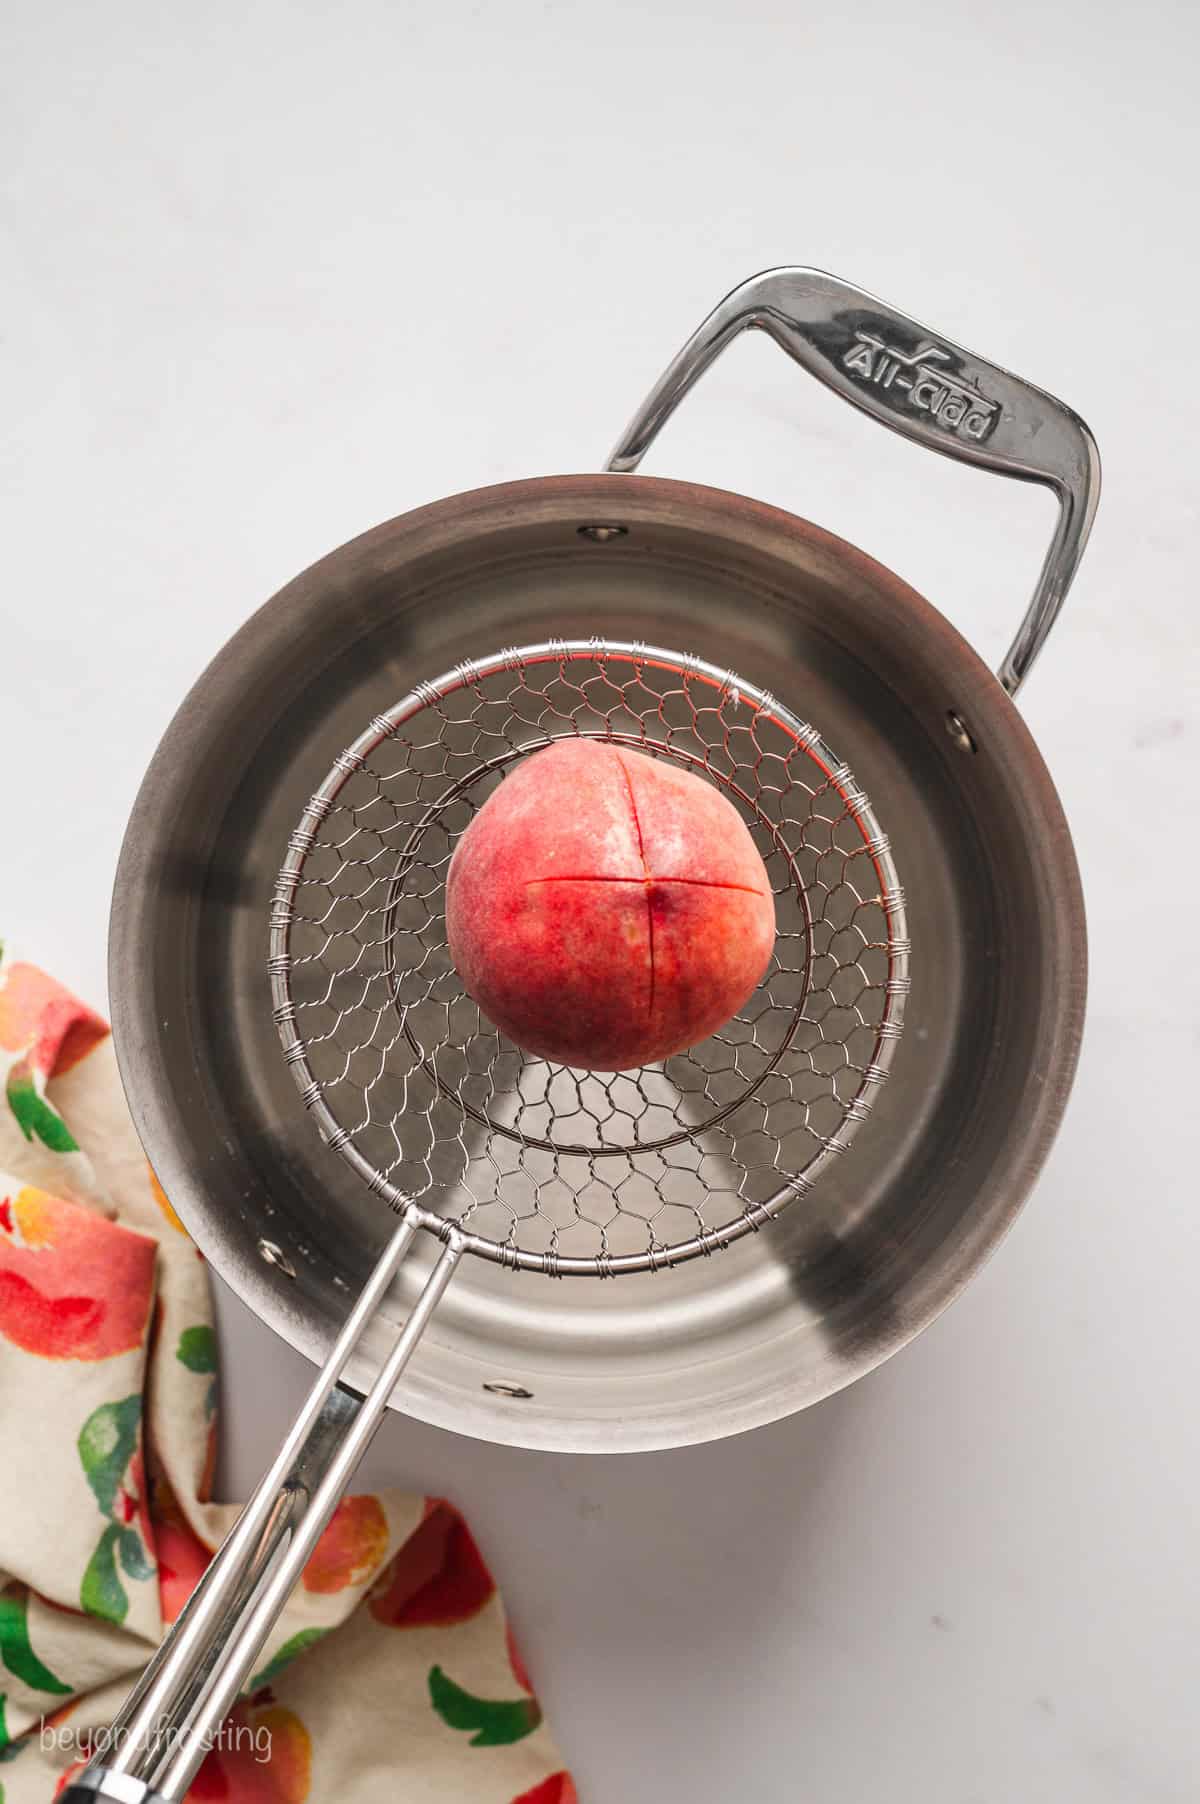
(162, 1731)
(921, 385)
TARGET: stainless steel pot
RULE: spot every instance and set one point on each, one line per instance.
(979, 1083)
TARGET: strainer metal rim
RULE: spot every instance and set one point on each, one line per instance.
(428, 693)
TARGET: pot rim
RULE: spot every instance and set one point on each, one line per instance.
(597, 497)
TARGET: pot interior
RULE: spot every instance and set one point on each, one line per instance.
(887, 1235)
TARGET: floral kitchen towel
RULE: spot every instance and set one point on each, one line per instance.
(390, 1673)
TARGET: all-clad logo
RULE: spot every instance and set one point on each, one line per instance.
(926, 383)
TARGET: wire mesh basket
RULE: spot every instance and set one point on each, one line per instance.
(540, 1165)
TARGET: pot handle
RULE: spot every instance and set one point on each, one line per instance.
(922, 386)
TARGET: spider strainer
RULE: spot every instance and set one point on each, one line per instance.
(558, 1171)
(532, 1164)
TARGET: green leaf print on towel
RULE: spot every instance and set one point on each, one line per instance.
(106, 1445)
(112, 1463)
(34, 1115)
(15, 1650)
(495, 1721)
(197, 1350)
(284, 1655)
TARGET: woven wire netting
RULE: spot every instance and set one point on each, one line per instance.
(540, 1165)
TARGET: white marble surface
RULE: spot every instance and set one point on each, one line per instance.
(271, 274)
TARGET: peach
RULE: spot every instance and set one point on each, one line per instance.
(606, 909)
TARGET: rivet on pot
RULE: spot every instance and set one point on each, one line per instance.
(601, 534)
(498, 1389)
(957, 729)
(275, 1255)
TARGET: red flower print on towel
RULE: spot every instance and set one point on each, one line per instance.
(351, 1548)
(43, 1020)
(72, 1285)
(559, 1788)
(438, 1576)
